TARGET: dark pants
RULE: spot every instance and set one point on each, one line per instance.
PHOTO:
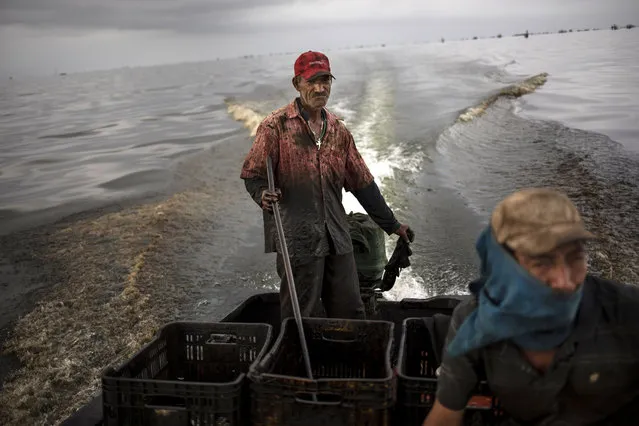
(330, 280)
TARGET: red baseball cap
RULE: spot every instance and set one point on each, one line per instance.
(312, 64)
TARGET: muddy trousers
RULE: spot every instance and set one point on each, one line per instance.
(330, 281)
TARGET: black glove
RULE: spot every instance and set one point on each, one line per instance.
(399, 260)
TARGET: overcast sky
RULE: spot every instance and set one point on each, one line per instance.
(45, 36)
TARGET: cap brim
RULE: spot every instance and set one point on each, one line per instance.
(576, 235)
(549, 239)
(311, 74)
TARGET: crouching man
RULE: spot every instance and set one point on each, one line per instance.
(556, 345)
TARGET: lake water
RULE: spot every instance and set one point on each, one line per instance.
(77, 142)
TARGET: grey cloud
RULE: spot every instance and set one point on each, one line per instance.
(298, 15)
(184, 16)
(254, 16)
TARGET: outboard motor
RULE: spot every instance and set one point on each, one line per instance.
(369, 249)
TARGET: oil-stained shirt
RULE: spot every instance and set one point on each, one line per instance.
(311, 178)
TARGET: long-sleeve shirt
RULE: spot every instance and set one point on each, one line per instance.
(311, 179)
(594, 378)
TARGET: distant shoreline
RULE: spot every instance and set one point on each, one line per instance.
(613, 27)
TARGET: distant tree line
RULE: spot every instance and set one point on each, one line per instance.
(562, 31)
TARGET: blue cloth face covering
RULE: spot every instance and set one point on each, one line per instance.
(513, 305)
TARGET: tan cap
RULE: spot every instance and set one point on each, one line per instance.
(537, 220)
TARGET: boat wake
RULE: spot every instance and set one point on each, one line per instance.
(516, 90)
(245, 113)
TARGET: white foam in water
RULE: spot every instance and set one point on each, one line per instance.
(364, 133)
(373, 127)
(408, 286)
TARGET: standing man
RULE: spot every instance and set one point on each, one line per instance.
(314, 158)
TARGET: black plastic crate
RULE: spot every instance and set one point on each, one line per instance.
(416, 368)
(397, 311)
(353, 382)
(191, 374)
